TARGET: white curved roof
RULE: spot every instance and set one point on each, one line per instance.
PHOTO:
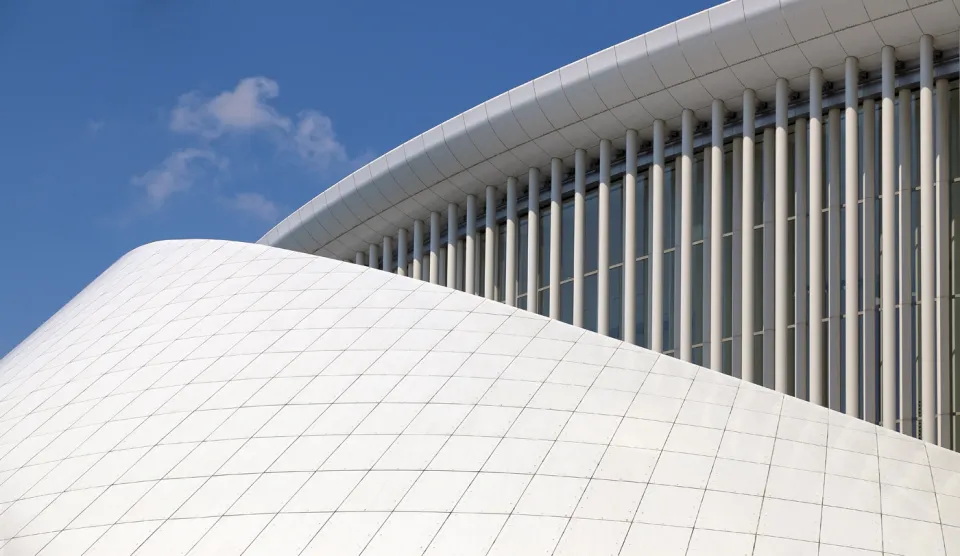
(715, 54)
(206, 397)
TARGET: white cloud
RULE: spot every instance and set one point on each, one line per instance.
(95, 126)
(176, 173)
(255, 205)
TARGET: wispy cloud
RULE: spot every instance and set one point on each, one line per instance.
(178, 172)
(95, 126)
(256, 205)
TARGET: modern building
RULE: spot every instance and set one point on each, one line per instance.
(712, 190)
(209, 397)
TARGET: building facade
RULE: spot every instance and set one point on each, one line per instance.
(707, 190)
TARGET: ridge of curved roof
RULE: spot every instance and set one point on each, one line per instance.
(714, 54)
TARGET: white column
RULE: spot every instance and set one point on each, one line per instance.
(556, 184)
(716, 236)
(656, 239)
(533, 239)
(418, 249)
(630, 240)
(768, 257)
(781, 372)
(579, 231)
(387, 253)
(818, 371)
(402, 251)
(746, 277)
(888, 260)
(834, 309)
(470, 247)
(685, 351)
(928, 259)
(603, 243)
(851, 368)
(705, 280)
(490, 243)
(452, 221)
(374, 256)
(434, 247)
(944, 388)
(736, 265)
(869, 260)
(802, 331)
(510, 268)
(908, 409)
(360, 258)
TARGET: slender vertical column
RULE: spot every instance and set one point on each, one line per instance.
(556, 184)
(706, 283)
(374, 258)
(736, 265)
(434, 247)
(452, 219)
(768, 257)
(630, 240)
(685, 351)
(470, 247)
(851, 368)
(888, 258)
(834, 309)
(818, 371)
(510, 274)
(801, 355)
(716, 235)
(746, 277)
(387, 253)
(579, 228)
(360, 258)
(780, 243)
(490, 243)
(869, 262)
(656, 239)
(603, 243)
(928, 259)
(402, 251)
(418, 249)
(907, 377)
(533, 239)
(944, 388)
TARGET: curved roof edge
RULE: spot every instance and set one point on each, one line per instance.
(714, 54)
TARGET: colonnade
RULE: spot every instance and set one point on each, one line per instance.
(832, 367)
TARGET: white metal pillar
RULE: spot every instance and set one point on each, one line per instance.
(736, 264)
(851, 367)
(944, 387)
(656, 239)
(928, 259)
(781, 371)
(452, 219)
(434, 247)
(817, 368)
(630, 240)
(907, 376)
(802, 330)
(510, 269)
(387, 253)
(869, 261)
(716, 235)
(556, 186)
(685, 351)
(768, 257)
(402, 251)
(470, 247)
(374, 256)
(603, 240)
(490, 243)
(579, 229)
(888, 260)
(834, 363)
(533, 239)
(360, 258)
(747, 216)
(418, 249)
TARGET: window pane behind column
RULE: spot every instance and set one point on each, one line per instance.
(566, 302)
(544, 251)
(616, 303)
(589, 302)
(522, 243)
(566, 240)
(643, 337)
(668, 289)
(616, 223)
(696, 291)
(591, 232)
(643, 214)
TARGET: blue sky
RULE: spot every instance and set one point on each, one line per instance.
(125, 122)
